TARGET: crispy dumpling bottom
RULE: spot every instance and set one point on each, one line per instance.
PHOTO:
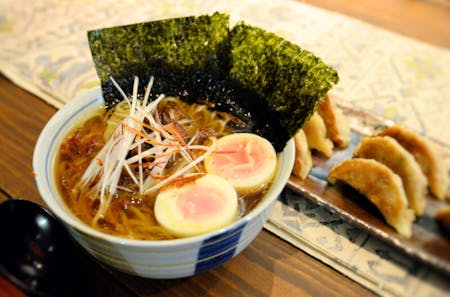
(381, 186)
(425, 155)
(388, 151)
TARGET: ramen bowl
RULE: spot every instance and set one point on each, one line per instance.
(162, 259)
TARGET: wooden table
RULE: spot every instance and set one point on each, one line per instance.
(269, 266)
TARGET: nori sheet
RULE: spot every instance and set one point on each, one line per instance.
(271, 84)
(172, 50)
(291, 80)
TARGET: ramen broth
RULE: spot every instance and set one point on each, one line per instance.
(130, 212)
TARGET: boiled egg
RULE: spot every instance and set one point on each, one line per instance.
(248, 161)
(197, 206)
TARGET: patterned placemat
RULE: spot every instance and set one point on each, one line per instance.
(44, 49)
(351, 251)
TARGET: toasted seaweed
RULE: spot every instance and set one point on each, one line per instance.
(269, 83)
(171, 50)
(291, 80)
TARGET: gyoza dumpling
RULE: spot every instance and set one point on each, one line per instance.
(338, 129)
(389, 152)
(422, 151)
(303, 160)
(381, 186)
(316, 135)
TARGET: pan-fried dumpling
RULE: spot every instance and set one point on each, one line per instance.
(303, 160)
(388, 151)
(316, 135)
(381, 186)
(422, 151)
(338, 128)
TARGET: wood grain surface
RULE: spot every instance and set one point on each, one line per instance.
(426, 20)
(269, 266)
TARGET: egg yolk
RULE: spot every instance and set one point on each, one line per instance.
(197, 203)
(239, 159)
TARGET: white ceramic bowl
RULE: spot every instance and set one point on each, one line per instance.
(153, 259)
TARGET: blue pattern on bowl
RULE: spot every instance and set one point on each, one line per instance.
(218, 249)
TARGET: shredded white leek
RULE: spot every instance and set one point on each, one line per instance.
(113, 159)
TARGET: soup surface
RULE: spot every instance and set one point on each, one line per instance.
(165, 145)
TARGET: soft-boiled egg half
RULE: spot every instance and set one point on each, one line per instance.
(246, 160)
(197, 206)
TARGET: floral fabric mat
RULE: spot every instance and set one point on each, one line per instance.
(44, 49)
